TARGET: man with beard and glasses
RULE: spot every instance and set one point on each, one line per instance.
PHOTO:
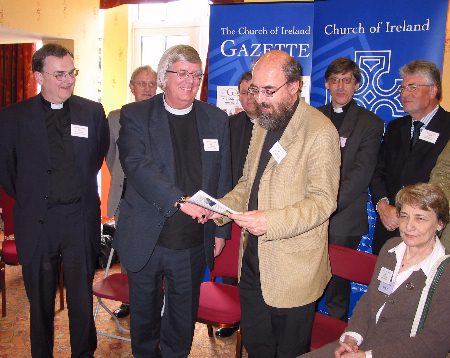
(285, 197)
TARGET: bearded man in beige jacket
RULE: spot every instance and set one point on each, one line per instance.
(285, 198)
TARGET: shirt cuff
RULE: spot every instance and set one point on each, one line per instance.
(368, 354)
(354, 335)
(382, 199)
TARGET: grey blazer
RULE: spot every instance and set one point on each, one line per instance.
(113, 163)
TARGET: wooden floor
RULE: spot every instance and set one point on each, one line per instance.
(14, 329)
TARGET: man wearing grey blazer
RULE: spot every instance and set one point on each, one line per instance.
(360, 133)
(142, 86)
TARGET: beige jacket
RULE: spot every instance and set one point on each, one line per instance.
(440, 175)
(298, 195)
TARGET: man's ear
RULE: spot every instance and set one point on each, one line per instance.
(327, 86)
(39, 77)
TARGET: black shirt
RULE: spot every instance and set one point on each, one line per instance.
(180, 231)
(64, 182)
(338, 118)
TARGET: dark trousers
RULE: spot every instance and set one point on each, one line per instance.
(63, 238)
(169, 336)
(381, 235)
(269, 332)
(338, 291)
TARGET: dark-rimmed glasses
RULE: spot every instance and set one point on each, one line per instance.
(254, 91)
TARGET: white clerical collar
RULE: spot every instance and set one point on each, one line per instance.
(177, 112)
(338, 109)
(56, 105)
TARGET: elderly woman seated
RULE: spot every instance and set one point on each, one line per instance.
(406, 310)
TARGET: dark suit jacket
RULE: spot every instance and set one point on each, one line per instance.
(240, 134)
(397, 166)
(147, 159)
(363, 131)
(25, 166)
(390, 336)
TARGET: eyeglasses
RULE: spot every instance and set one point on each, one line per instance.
(410, 88)
(143, 84)
(61, 75)
(254, 91)
(345, 80)
(183, 74)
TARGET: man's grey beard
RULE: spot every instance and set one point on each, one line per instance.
(276, 120)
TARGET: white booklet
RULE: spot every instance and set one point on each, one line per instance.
(208, 202)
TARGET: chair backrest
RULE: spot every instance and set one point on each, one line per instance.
(226, 264)
(351, 264)
(7, 204)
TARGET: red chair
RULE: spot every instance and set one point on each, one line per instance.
(112, 287)
(354, 266)
(9, 251)
(219, 303)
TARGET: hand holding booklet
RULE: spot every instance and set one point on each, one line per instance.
(206, 201)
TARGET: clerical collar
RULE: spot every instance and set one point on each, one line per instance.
(342, 109)
(51, 105)
(177, 112)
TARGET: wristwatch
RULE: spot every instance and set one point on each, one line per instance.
(180, 202)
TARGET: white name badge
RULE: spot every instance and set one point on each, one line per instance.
(278, 152)
(385, 275)
(386, 288)
(343, 141)
(79, 131)
(211, 145)
(429, 136)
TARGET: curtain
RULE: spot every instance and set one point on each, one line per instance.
(16, 78)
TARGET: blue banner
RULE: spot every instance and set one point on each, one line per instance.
(241, 33)
(380, 38)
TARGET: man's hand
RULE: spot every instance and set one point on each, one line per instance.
(219, 244)
(388, 215)
(349, 346)
(195, 212)
(254, 221)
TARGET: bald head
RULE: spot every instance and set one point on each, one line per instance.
(275, 86)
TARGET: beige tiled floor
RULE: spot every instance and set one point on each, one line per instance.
(14, 336)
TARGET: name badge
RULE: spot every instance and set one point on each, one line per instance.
(278, 152)
(386, 288)
(79, 131)
(211, 145)
(343, 141)
(385, 275)
(429, 136)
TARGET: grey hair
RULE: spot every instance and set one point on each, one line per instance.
(174, 54)
(425, 69)
(141, 69)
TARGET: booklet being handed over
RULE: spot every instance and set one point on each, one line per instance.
(206, 201)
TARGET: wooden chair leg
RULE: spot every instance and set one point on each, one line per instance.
(238, 344)
(3, 287)
(61, 288)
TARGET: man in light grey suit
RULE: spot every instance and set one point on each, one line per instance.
(142, 86)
